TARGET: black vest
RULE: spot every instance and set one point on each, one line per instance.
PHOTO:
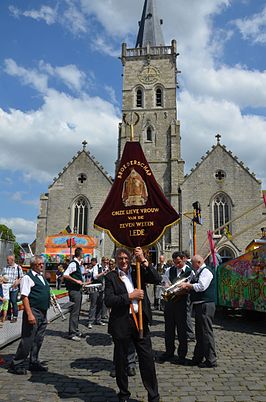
(101, 279)
(39, 296)
(173, 273)
(76, 275)
(208, 295)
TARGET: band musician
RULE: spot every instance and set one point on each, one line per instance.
(202, 292)
(122, 295)
(175, 312)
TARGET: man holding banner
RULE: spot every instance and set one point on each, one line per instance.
(135, 214)
(122, 296)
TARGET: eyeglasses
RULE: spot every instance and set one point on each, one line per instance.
(39, 264)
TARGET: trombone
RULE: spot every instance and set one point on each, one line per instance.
(56, 306)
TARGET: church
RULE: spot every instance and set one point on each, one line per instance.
(225, 189)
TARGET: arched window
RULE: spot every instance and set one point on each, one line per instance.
(149, 134)
(159, 97)
(227, 254)
(139, 98)
(80, 215)
(221, 212)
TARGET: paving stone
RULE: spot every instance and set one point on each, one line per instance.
(79, 372)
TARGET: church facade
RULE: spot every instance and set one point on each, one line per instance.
(222, 185)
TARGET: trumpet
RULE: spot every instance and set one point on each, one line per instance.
(174, 292)
(56, 306)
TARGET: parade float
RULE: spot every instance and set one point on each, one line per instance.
(241, 282)
(59, 249)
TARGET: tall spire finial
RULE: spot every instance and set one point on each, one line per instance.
(218, 136)
(84, 143)
(150, 26)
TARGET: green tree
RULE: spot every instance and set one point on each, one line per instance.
(7, 234)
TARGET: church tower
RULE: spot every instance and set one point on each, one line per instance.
(149, 102)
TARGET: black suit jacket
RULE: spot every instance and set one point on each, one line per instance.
(116, 297)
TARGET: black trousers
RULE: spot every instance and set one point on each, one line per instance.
(205, 345)
(96, 307)
(146, 362)
(75, 296)
(31, 338)
(175, 316)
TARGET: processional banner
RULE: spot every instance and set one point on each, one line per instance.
(136, 212)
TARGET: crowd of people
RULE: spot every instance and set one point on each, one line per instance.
(125, 306)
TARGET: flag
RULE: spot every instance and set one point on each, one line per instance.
(227, 232)
(135, 212)
(66, 230)
(212, 247)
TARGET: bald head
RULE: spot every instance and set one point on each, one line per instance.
(197, 261)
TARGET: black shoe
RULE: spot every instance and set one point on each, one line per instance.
(181, 361)
(17, 370)
(112, 373)
(207, 365)
(131, 372)
(166, 357)
(193, 362)
(37, 367)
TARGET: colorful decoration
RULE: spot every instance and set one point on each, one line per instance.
(242, 281)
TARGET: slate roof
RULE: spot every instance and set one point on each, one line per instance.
(150, 26)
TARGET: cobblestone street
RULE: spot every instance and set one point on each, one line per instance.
(79, 371)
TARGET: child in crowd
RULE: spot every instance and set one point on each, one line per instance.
(5, 298)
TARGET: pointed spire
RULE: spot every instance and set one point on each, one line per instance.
(150, 26)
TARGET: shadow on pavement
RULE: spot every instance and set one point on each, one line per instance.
(96, 338)
(240, 321)
(94, 364)
(69, 387)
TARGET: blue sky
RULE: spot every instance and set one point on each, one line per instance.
(60, 83)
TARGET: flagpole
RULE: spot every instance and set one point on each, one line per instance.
(140, 301)
(137, 262)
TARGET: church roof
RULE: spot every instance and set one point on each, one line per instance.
(91, 157)
(150, 26)
(223, 147)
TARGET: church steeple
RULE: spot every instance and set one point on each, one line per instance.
(150, 26)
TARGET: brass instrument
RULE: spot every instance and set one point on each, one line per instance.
(56, 306)
(174, 292)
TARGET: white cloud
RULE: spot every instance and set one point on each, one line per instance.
(61, 123)
(239, 85)
(24, 230)
(74, 20)
(45, 13)
(70, 74)
(28, 76)
(202, 118)
(253, 28)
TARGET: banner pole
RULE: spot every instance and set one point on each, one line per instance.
(131, 132)
(140, 301)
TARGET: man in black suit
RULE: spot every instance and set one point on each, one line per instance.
(122, 295)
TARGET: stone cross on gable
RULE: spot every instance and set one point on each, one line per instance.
(218, 136)
(84, 143)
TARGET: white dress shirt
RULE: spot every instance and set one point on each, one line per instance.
(27, 283)
(71, 267)
(205, 279)
(127, 279)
